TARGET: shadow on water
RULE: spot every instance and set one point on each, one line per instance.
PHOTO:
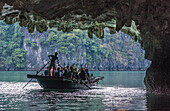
(68, 90)
(157, 102)
(61, 90)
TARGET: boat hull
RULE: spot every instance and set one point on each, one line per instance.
(49, 82)
(58, 84)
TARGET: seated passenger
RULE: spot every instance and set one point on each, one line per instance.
(71, 76)
(92, 78)
(87, 72)
(61, 72)
(75, 73)
(57, 72)
(46, 72)
(68, 68)
(83, 75)
(65, 73)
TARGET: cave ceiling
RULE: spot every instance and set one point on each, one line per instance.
(67, 15)
(143, 20)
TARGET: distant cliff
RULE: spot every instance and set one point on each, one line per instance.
(114, 52)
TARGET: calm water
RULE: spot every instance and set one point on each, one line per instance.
(122, 90)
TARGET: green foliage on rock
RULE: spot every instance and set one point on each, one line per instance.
(114, 50)
(11, 52)
(42, 42)
(34, 44)
(28, 42)
(111, 49)
(19, 57)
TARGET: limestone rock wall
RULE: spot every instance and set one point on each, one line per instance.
(38, 54)
(155, 32)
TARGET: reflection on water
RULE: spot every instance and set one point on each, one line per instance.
(157, 102)
(119, 94)
(12, 96)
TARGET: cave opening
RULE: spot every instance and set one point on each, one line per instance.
(113, 52)
(152, 18)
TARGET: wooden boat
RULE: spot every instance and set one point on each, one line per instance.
(50, 82)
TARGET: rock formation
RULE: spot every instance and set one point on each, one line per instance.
(152, 19)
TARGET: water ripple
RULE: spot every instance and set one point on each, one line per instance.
(33, 97)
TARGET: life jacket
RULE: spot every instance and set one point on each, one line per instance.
(46, 72)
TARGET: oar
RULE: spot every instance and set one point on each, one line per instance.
(86, 84)
(36, 74)
(82, 82)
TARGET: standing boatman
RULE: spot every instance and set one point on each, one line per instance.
(52, 63)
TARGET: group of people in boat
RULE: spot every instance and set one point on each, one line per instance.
(68, 72)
